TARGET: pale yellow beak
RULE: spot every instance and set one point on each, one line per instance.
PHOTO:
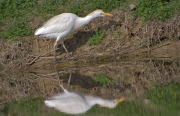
(107, 14)
(120, 100)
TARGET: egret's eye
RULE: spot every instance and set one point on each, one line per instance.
(101, 13)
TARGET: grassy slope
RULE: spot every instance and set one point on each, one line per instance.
(16, 15)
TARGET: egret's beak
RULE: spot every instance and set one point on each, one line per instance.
(120, 100)
(107, 14)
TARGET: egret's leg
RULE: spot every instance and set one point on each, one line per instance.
(69, 80)
(61, 85)
(55, 51)
(64, 47)
(37, 43)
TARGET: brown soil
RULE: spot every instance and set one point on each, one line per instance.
(134, 54)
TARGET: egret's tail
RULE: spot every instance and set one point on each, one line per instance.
(39, 31)
(49, 103)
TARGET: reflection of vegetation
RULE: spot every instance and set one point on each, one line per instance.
(24, 108)
(97, 38)
(103, 79)
(167, 97)
(31, 107)
(163, 101)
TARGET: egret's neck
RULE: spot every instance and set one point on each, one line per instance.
(88, 18)
(82, 21)
(95, 100)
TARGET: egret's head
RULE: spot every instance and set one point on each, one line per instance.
(100, 13)
(112, 103)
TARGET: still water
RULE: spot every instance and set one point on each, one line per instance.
(150, 86)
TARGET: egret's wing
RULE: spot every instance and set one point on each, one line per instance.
(61, 95)
(57, 24)
(69, 104)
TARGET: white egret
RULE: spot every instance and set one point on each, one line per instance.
(61, 25)
(77, 103)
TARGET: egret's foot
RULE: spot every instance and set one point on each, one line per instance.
(69, 55)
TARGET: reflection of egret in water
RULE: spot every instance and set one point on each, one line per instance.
(77, 103)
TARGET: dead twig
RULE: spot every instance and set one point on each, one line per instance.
(37, 57)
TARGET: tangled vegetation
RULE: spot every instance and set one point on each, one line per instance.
(163, 101)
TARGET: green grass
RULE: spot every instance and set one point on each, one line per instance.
(157, 9)
(17, 29)
(164, 101)
(97, 38)
(103, 79)
(16, 15)
(167, 97)
(89, 5)
(30, 107)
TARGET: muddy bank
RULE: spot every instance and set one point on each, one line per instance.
(126, 36)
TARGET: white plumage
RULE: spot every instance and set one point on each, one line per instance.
(65, 23)
(77, 103)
